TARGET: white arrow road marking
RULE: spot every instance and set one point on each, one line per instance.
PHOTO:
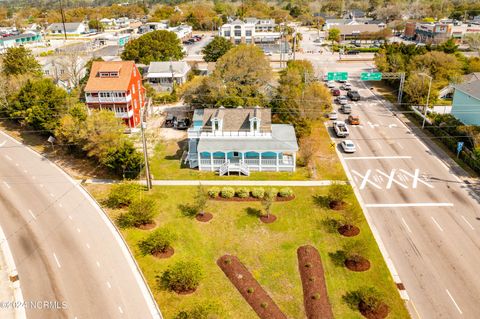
(416, 179)
(365, 179)
(391, 179)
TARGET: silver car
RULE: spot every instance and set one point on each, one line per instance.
(348, 146)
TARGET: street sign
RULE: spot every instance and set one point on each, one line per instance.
(371, 76)
(459, 147)
(337, 76)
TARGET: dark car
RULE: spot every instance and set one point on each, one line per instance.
(335, 92)
(182, 123)
(353, 95)
(353, 52)
(170, 120)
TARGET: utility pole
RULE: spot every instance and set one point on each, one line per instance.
(63, 20)
(428, 98)
(144, 143)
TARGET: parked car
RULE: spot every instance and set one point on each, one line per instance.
(354, 120)
(330, 84)
(170, 120)
(348, 146)
(333, 115)
(346, 86)
(181, 123)
(342, 100)
(353, 95)
(346, 109)
(335, 92)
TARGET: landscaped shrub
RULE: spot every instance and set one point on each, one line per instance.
(183, 276)
(367, 300)
(285, 192)
(140, 212)
(227, 192)
(208, 310)
(243, 192)
(213, 192)
(258, 192)
(122, 194)
(157, 242)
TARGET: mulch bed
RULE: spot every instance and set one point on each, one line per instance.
(268, 220)
(147, 226)
(337, 205)
(165, 254)
(349, 230)
(205, 217)
(315, 296)
(249, 288)
(359, 264)
(380, 313)
(251, 199)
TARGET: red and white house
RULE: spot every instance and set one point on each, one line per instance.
(116, 86)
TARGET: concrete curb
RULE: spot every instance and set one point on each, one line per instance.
(19, 311)
(223, 182)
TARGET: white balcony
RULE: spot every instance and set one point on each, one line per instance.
(194, 133)
(110, 99)
(124, 115)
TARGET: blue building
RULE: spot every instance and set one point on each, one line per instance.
(466, 103)
(19, 39)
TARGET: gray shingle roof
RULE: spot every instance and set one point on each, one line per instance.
(283, 139)
(179, 67)
(471, 88)
(237, 119)
(69, 26)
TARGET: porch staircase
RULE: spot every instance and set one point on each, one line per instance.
(239, 167)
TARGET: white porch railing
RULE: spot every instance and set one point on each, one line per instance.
(98, 99)
(193, 133)
(285, 161)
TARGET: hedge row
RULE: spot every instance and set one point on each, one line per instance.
(244, 192)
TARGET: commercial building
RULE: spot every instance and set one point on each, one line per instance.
(466, 103)
(251, 30)
(116, 86)
(13, 40)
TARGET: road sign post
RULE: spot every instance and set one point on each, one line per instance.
(337, 76)
(459, 148)
(371, 76)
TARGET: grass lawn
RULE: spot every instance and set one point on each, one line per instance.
(165, 163)
(268, 250)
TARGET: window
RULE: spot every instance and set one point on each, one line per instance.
(238, 31)
(236, 154)
(133, 89)
(215, 125)
(47, 72)
(248, 33)
(226, 33)
(255, 125)
(62, 71)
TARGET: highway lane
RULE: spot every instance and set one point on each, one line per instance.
(65, 249)
(424, 212)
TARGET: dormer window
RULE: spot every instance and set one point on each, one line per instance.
(103, 74)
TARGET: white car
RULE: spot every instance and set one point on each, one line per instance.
(333, 115)
(330, 84)
(342, 100)
(348, 146)
(346, 86)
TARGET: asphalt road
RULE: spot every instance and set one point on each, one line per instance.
(427, 216)
(65, 249)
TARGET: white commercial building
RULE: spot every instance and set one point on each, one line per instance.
(251, 30)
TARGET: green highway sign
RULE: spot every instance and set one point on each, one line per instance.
(337, 76)
(371, 76)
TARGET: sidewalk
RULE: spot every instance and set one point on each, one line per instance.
(221, 182)
(6, 292)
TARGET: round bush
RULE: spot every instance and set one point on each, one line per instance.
(140, 212)
(213, 192)
(157, 242)
(122, 194)
(250, 290)
(227, 192)
(243, 192)
(285, 192)
(258, 192)
(183, 276)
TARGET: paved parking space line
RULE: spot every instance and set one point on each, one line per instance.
(436, 223)
(406, 226)
(386, 205)
(56, 260)
(466, 221)
(376, 157)
(453, 300)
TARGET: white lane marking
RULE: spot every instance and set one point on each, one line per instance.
(51, 194)
(406, 226)
(355, 178)
(436, 223)
(6, 184)
(56, 260)
(391, 179)
(376, 157)
(457, 178)
(70, 217)
(392, 125)
(365, 179)
(443, 164)
(78, 229)
(358, 146)
(109, 285)
(385, 205)
(60, 205)
(120, 309)
(453, 300)
(466, 221)
(88, 245)
(32, 214)
(415, 178)
(3, 143)
(98, 264)
(8, 157)
(400, 145)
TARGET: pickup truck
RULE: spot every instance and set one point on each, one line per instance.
(340, 128)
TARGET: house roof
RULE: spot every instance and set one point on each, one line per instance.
(159, 69)
(283, 139)
(237, 119)
(475, 76)
(350, 29)
(120, 83)
(471, 88)
(69, 26)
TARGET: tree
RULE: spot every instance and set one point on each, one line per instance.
(183, 276)
(316, 101)
(125, 160)
(338, 192)
(307, 151)
(201, 200)
(216, 49)
(473, 41)
(140, 212)
(209, 310)
(123, 194)
(368, 299)
(351, 217)
(162, 13)
(267, 201)
(70, 129)
(355, 250)
(160, 45)
(18, 61)
(95, 24)
(334, 35)
(39, 104)
(157, 242)
(448, 46)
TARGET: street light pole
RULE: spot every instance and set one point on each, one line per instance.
(428, 98)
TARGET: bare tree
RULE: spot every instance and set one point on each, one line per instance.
(74, 64)
(473, 41)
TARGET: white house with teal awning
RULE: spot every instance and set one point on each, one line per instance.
(240, 140)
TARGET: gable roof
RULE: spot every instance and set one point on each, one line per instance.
(156, 69)
(69, 26)
(120, 83)
(237, 119)
(472, 88)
